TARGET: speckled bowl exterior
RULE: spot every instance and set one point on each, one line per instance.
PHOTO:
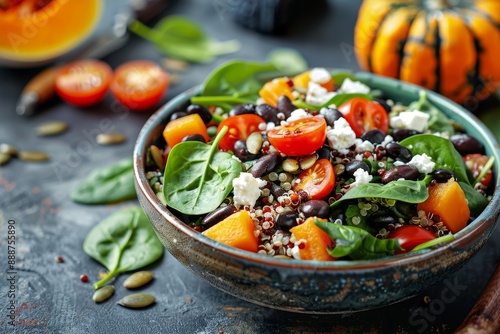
(314, 286)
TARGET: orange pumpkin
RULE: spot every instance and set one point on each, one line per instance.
(33, 30)
(451, 47)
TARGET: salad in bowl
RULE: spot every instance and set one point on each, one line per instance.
(319, 186)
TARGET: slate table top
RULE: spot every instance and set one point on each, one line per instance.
(49, 296)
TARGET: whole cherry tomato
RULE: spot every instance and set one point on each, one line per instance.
(410, 236)
(475, 163)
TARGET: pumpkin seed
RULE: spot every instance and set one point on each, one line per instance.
(4, 158)
(110, 138)
(308, 162)
(290, 165)
(52, 128)
(157, 156)
(175, 64)
(8, 149)
(138, 279)
(103, 293)
(33, 156)
(254, 142)
(137, 300)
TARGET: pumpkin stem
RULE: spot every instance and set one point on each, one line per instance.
(437, 4)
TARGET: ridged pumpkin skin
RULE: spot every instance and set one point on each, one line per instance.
(451, 49)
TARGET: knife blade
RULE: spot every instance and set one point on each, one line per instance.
(41, 88)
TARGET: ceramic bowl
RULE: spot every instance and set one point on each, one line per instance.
(313, 286)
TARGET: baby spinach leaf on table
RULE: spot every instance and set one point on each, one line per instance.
(337, 100)
(438, 121)
(180, 37)
(105, 185)
(441, 151)
(400, 190)
(356, 243)
(123, 242)
(198, 177)
(235, 82)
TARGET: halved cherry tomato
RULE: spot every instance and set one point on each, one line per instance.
(239, 127)
(475, 163)
(84, 82)
(410, 236)
(139, 84)
(363, 115)
(301, 137)
(272, 90)
(318, 181)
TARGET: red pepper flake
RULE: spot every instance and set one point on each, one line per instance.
(84, 278)
(60, 259)
(302, 245)
(367, 154)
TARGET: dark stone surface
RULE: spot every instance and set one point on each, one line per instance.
(49, 296)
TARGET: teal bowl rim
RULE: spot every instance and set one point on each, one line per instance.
(464, 238)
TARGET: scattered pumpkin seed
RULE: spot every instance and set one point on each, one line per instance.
(157, 156)
(33, 156)
(175, 64)
(290, 165)
(8, 149)
(254, 142)
(4, 158)
(174, 78)
(110, 138)
(137, 300)
(138, 279)
(339, 169)
(103, 293)
(308, 161)
(52, 128)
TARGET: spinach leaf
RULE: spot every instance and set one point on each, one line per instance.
(337, 100)
(356, 243)
(352, 211)
(198, 177)
(475, 200)
(442, 152)
(287, 60)
(123, 242)
(235, 82)
(400, 190)
(438, 121)
(105, 185)
(182, 38)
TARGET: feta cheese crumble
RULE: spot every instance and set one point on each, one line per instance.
(246, 189)
(423, 163)
(320, 75)
(414, 120)
(297, 114)
(317, 95)
(349, 86)
(341, 137)
(361, 177)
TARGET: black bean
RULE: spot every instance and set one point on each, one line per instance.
(404, 209)
(353, 166)
(381, 221)
(217, 216)
(265, 164)
(285, 105)
(276, 190)
(323, 153)
(400, 134)
(315, 208)
(241, 109)
(268, 113)
(384, 104)
(240, 150)
(466, 144)
(374, 136)
(178, 114)
(204, 113)
(338, 214)
(196, 137)
(331, 115)
(398, 152)
(442, 175)
(406, 172)
(287, 220)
